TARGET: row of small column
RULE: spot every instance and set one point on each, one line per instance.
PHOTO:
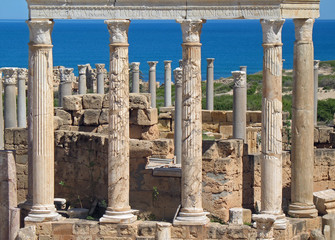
(41, 144)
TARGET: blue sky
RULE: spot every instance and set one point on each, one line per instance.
(17, 9)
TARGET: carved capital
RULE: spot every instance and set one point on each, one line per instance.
(303, 29)
(239, 79)
(316, 64)
(100, 67)
(40, 31)
(272, 30)
(191, 30)
(118, 30)
(135, 66)
(65, 74)
(152, 65)
(167, 64)
(210, 62)
(82, 69)
(22, 73)
(10, 75)
(178, 76)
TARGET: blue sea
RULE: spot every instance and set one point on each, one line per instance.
(232, 43)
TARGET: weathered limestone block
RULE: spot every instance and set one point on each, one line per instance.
(144, 117)
(163, 148)
(317, 235)
(150, 132)
(92, 101)
(9, 135)
(264, 226)
(207, 116)
(91, 116)
(324, 133)
(139, 100)
(27, 233)
(57, 122)
(239, 216)
(64, 115)
(325, 201)
(140, 148)
(20, 136)
(105, 101)
(73, 103)
(78, 117)
(219, 116)
(328, 224)
(103, 119)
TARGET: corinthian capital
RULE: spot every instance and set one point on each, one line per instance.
(152, 65)
(22, 73)
(272, 30)
(40, 31)
(191, 30)
(178, 76)
(65, 74)
(135, 66)
(10, 75)
(316, 64)
(100, 67)
(118, 30)
(239, 79)
(210, 62)
(82, 69)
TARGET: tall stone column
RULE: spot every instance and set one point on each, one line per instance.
(272, 124)
(2, 133)
(210, 84)
(21, 98)
(239, 105)
(100, 78)
(316, 86)
(191, 211)
(152, 82)
(167, 83)
(10, 76)
(178, 79)
(41, 126)
(118, 210)
(302, 155)
(65, 86)
(136, 77)
(82, 87)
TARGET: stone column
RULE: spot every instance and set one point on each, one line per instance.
(118, 210)
(41, 125)
(2, 142)
(65, 86)
(100, 78)
(239, 105)
(316, 86)
(302, 155)
(178, 79)
(136, 77)
(10, 76)
(243, 69)
(82, 87)
(181, 63)
(21, 98)
(167, 83)
(152, 82)
(210, 84)
(191, 211)
(272, 124)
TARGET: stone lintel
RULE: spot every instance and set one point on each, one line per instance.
(173, 9)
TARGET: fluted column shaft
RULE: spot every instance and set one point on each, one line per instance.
(210, 84)
(239, 105)
(100, 78)
(167, 83)
(41, 127)
(118, 210)
(136, 77)
(82, 87)
(271, 165)
(302, 155)
(152, 82)
(178, 79)
(10, 76)
(191, 181)
(2, 140)
(21, 98)
(316, 86)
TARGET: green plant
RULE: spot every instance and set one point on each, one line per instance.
(155, 193)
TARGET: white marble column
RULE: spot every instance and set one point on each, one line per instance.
(191, 212)
(210, 84)
(302, 154)
(41, 127)
(136, 77)
(10, 76)
(2, 142)
(272, 124)
(152, 82)
(239, 105)
(65, 86)
(167, 83)
(316, 86)
(178, 79)
(82, 87)
(118, 210)
(244, 69)
(21, 98)
(100, 78)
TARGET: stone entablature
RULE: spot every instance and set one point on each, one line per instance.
(173, 9)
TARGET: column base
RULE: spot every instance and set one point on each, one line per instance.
(118, 217)
(43, 214)
(302, 210)
(281, 222)
(191, 219)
